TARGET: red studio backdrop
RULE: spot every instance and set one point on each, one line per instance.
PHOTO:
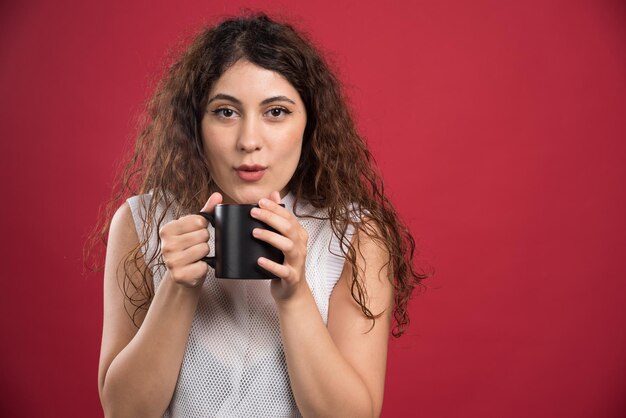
(499, 127)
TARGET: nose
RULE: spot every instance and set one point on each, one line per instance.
(249, 139)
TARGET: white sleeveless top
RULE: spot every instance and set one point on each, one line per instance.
(234, 364)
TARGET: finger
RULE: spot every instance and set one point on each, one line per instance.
(214, 200)
(273, 204)
(199, 222)
(277, 241)
(274, 220)
(279, 270)
(183, 225)
(195, 253)
(275, 207)
(190, 239)
(275, 196)
(189, 256)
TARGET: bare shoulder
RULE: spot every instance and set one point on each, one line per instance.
(369, 243)
(123, 240)
(122, 226)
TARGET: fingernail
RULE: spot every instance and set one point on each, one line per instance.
(256, 232)
(255, 211)
(263, 202)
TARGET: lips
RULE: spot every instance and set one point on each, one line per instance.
(251, 173)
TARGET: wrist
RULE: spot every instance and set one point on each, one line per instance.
(299, 297)
(180, 290)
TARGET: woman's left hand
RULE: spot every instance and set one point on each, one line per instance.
(291, 239)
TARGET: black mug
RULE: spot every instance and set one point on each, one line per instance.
(236, 250)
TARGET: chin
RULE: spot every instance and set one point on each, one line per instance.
(249, 196)
(250, 193)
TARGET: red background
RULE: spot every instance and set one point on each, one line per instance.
(499, 126)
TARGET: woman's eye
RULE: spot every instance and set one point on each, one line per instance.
(224, 112)
(277, 112)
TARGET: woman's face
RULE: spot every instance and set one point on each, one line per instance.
(252, 132)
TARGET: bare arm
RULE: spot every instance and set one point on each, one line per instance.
(337, 370)
(139, 368)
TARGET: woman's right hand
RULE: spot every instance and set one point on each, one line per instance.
(184, 242)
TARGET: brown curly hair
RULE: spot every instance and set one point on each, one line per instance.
(336, 171)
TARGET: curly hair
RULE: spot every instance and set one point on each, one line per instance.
(336, 171)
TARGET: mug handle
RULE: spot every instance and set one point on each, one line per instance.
(209, 217)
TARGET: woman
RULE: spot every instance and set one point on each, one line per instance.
(251, 114)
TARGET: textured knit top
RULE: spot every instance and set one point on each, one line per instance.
(234, 364)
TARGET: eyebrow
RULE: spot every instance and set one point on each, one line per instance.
(277, 99)
(235, 100)
(224, 97)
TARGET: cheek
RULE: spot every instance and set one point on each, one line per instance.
(213, 148)
(291, 156)
(207, 134)
(289, 148)
(293, 140)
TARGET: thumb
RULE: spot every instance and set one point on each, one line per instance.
(275, 196)
(214, 200)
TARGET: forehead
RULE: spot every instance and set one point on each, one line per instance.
(245, 80)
